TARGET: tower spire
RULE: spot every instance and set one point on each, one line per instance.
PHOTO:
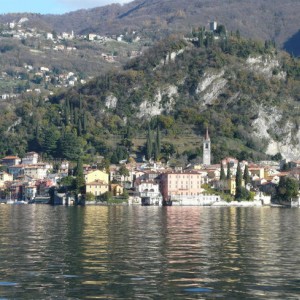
(206, 149)
(207, 135)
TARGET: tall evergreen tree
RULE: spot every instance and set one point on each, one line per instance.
(222, 174)
(84, 122)
(155, 151)
(238, 182)
(158, 142)
(228, 171)
(79, 180)
(246, 175)
(149, 145)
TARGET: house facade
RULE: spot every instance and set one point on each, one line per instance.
(97, 187)
(11, 161)
(5, 177)
(37, 171)
(30, 158)
(149, 192)
(96, 176)
(181, 184)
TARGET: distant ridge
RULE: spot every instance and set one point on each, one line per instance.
(256, 19)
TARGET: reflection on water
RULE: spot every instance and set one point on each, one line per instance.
(148, 253)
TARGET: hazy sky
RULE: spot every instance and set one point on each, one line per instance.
(51, 6)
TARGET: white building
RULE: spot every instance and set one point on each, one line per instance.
(37, 171)
(149, 193)
(49, 36)
(213, 26)
(30, 158)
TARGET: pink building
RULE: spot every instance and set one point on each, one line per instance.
(180, 184)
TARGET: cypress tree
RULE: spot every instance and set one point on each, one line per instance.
(79, 127)
(222, 174)
(158, 142)
(228, 171)
(155, 151)
(76, 116)
(238, 182)
(67, 112)
(84, 122)
(239, 176)
(149, 145)
(79, 181)
(246, 176)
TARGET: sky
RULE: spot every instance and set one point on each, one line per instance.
(51, 6)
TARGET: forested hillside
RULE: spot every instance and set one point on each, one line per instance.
(244, 91)
(258, 19)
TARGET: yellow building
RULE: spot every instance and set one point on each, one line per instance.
(97, 187)
(231, 185)
(96, 175)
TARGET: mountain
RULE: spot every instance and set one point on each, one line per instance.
(245, 91)
(256, 19)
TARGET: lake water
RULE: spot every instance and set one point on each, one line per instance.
(121, 252)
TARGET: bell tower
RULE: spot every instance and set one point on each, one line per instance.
(206, 149)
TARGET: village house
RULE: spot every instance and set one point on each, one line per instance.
(180, 184)
(37, 171)
(16, 170)
(64, 168)
(29, 191)
(16, 190)
(96, 176)
(11, 161)
(233, 163)
(149, 192)
(43, 187)
(97, 187)
(30, 158)
(257, 171)
(4, 178)
(91, 36)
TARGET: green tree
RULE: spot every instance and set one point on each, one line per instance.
(125, 194)
(287, 189)
(70, 146)
(123, 171)
(238, 183)
(106, 196)
(158, 141)
(222, 173)
(246, 175)
(149, 145)
(49, 140)
(79, 180)
(155, 151)
(168, 149)
(89, 197)
(228, 176)
(221, 30)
